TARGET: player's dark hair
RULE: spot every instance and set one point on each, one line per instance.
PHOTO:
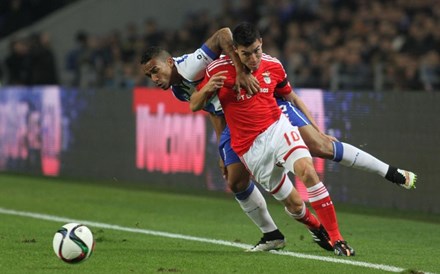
(245, 34)
(153, 52)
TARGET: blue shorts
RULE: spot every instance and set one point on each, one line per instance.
(296, 118)
(228, 155)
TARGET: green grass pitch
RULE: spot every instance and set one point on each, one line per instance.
(385, 241)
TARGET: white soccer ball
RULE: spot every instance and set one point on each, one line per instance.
(73, 243)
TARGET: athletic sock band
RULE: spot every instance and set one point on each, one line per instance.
(338, 151)
(245, 194)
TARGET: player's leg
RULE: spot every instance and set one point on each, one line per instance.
(254, 206)
(321, 202)
(294, 155)
(281, 144)
(321, 146)
(343, 153)
(249, 197)
(295, 207)
(351, 156)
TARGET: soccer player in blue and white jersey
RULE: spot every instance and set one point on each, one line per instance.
(328, 147)
(321, 144)
(182, 74)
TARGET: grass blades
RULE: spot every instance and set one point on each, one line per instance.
(406, 241)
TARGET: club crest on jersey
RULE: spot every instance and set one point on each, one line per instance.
(266, 77)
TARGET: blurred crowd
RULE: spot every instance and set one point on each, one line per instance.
(15, 14)
(30, 60)
(357, 45)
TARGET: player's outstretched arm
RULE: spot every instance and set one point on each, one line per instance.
(221, 41)
(294, 99)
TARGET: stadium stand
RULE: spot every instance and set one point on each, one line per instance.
(335, 45)
(16, 14)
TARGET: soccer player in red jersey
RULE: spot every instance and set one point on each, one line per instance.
(261, 135)
(181, 75)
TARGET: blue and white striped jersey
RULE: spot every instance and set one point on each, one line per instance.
(192, 68)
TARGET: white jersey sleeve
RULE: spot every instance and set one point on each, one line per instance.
(192, 66)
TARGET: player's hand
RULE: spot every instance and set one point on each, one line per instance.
(331, 138)
(216, 82)
(247, 81)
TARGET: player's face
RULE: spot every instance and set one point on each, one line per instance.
(251, 56)
(159, 71)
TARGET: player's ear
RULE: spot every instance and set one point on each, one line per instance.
(170, 62)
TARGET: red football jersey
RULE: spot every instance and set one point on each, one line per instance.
(247, 116)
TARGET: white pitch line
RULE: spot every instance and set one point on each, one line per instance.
(198, 239)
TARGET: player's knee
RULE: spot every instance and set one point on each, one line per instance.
(306, 172)
(294, 203)
(238, 184)
(238, 177)
(294, 209)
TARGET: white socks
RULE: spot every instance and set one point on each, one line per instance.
(254, 205)
(354, 157)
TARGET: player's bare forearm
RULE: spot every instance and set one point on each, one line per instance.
(227, 46)
(198, 99)
(221, 41)
(243, 77)
(294, 99)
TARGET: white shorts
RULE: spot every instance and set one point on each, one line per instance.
(282, 187)
(280, 144)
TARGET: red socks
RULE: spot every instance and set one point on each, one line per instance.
(306, 217)
(322, 204)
